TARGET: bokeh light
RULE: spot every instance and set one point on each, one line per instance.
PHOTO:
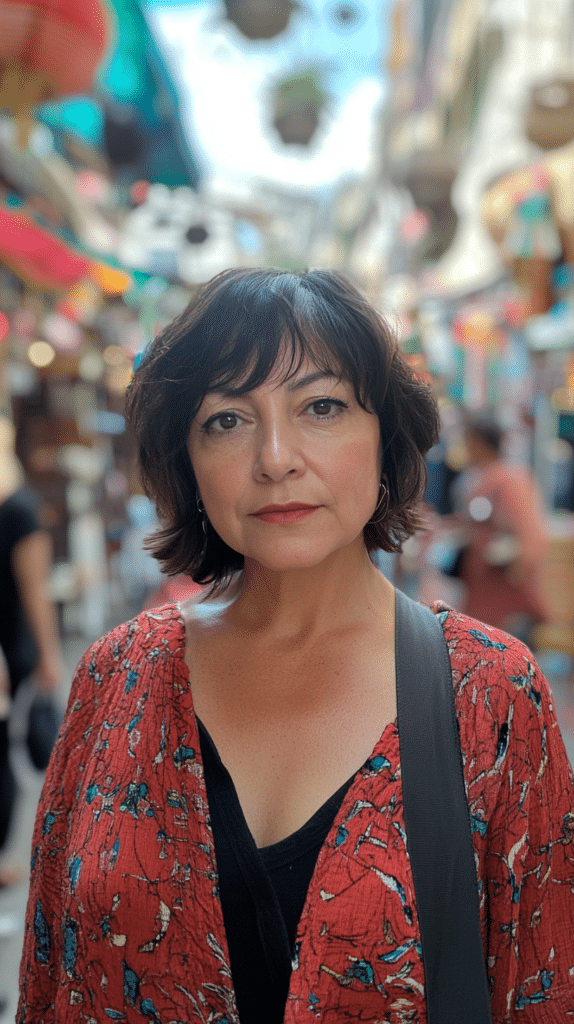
(41, 354)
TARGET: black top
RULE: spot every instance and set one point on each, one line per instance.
(18, 519)
(262, 891)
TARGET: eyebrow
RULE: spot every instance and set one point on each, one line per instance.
(310, 378)
(296, 384)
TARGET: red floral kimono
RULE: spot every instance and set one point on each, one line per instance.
(124, 920)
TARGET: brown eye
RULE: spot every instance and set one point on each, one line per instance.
(222, 423)
(326, 408)
(322, 408)
(227, 421)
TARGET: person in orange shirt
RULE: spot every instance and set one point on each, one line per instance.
(507, 541)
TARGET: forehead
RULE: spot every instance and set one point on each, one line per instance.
(291, 370)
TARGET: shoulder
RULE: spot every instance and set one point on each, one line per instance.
(128, 655)
(123, 666)
(482, 656)
(157, 633)
(505, 707)
(471, 642)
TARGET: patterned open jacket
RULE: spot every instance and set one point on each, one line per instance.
(124, 920)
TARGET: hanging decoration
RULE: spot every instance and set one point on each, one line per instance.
(517, 210)
(112, 281)
(297, 104)
(347, 14)
(48, 49)
(260, 19)
(429, 177)
(550, 114)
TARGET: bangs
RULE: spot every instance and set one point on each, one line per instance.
(282, 327)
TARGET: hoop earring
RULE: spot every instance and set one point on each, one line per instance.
(202, 513)
(382, 506)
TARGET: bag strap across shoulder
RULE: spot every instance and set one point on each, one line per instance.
(437, 821)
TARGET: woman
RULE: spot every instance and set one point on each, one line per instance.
(504, 559)
(221, 835)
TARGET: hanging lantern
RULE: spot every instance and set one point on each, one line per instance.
(297, 103)
(260, 19)
(550, 114)
(48, 49)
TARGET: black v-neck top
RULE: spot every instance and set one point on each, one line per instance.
(262, 891)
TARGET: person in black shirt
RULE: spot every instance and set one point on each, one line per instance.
(28, 632)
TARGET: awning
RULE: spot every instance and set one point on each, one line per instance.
(45, 260)
(36, 255)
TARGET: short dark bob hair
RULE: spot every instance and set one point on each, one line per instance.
(230, 336)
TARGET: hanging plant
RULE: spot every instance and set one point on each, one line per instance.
(550, 114)
(429, 177)
(297, 104)
(260, 19)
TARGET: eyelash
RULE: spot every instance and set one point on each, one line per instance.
(208, 426)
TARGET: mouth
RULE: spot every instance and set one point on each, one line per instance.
(291, 512)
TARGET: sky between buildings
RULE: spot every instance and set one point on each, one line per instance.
(224, 81)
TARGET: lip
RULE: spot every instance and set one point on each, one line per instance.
(292, 512)
(290, 506)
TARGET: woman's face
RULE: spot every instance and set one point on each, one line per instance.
(289, 472)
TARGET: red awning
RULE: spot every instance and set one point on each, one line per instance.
(37, 256)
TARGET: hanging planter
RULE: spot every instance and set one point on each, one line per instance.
(297, 104)
(429, 177)
(260, 19)
(550, 114)
(48, 49)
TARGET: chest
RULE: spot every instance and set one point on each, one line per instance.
(145, 881)
(291, 728)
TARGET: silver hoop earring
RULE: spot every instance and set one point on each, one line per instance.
(382, 506)
(202, 513)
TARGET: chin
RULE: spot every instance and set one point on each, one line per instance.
(286, 557)
(288, 564)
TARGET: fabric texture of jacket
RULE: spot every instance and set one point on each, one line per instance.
(124, 919)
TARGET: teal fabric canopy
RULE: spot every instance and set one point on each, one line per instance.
(133, 77)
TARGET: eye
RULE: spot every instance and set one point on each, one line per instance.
(325, 408)
(223, 422)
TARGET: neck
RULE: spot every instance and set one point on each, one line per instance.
(345, 590)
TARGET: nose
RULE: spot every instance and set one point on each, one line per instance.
(278, 452)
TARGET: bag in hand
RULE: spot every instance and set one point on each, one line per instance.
(44, 721)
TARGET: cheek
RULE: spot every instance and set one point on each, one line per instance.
(356, 466)
(220, 482)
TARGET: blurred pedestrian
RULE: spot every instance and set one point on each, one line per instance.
(28, 630)
(221, 835)
(9, 875)
(504, 556)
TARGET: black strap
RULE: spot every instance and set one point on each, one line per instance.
(437, 821)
